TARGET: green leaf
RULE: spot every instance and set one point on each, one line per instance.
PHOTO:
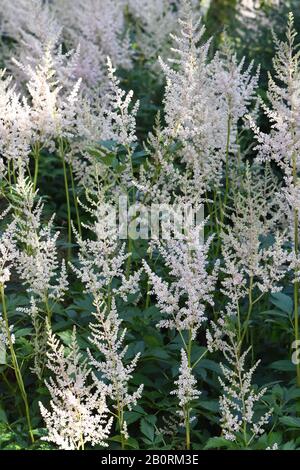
(217, 443)
(23, 332)
(282, 301)
(210, 405)
(283, 365)
(147, 429)
(3, 417)
(290, 421)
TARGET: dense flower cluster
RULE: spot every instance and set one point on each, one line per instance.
(78, 412)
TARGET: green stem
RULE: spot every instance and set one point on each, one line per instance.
(62, 155)
(15, 364)
(250, 307)
(187, 428)
(121, 424)
(128, 263)
(36, 154)
(227, 160)
(75, 201)
(48, 311)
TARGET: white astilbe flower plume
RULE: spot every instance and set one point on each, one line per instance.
(282, 144)
(78, 412)
(31, 25)
(4, 339)
(109, 118)
(234, 86)
(52, 107)
(37, 261)
(15, 125)
(186, 390)
(107, 338)
(192, 109)
(101, 258)
(98, 26)
(155, 21)
(256, 214)
(8, 250)
(183, 299)
(121, 119)
(239, 399)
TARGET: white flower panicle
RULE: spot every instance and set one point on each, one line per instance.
(78, 412)
(255, 214)
(8, 250)
(31, 25)
(15, 125)
(52, 108)
(121, 119)
(238, 402)
(192, 109)
(101, 258)
(107, 338)
(183, 300)
(4, 338)
(186, 390)
(155, 20)
(234, 85)
(282, 144)
(99, 27)
(37, 261)
(109, 118)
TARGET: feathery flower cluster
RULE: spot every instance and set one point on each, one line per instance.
(191, 287)
(31, 25)
(8, 250)
(238, 403)
(248, 257)
(15, 125)
(102, 258)
(78, 412)
(4, 340)
(37, 261)
(282, 144)
(234, 86)
(98, 26)
(53, 110)
(186, 390)
(108, 339)
(110, 118)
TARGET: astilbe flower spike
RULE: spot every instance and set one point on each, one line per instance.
(256, 213)
(78, 412)
(239, 420)
(108, 338)
(186, 390)
(15, 126)
(191, 288)
(37, 261)
(191, 108)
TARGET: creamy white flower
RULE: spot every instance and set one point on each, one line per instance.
(78, 412)
(186, 390)
(238, 402)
